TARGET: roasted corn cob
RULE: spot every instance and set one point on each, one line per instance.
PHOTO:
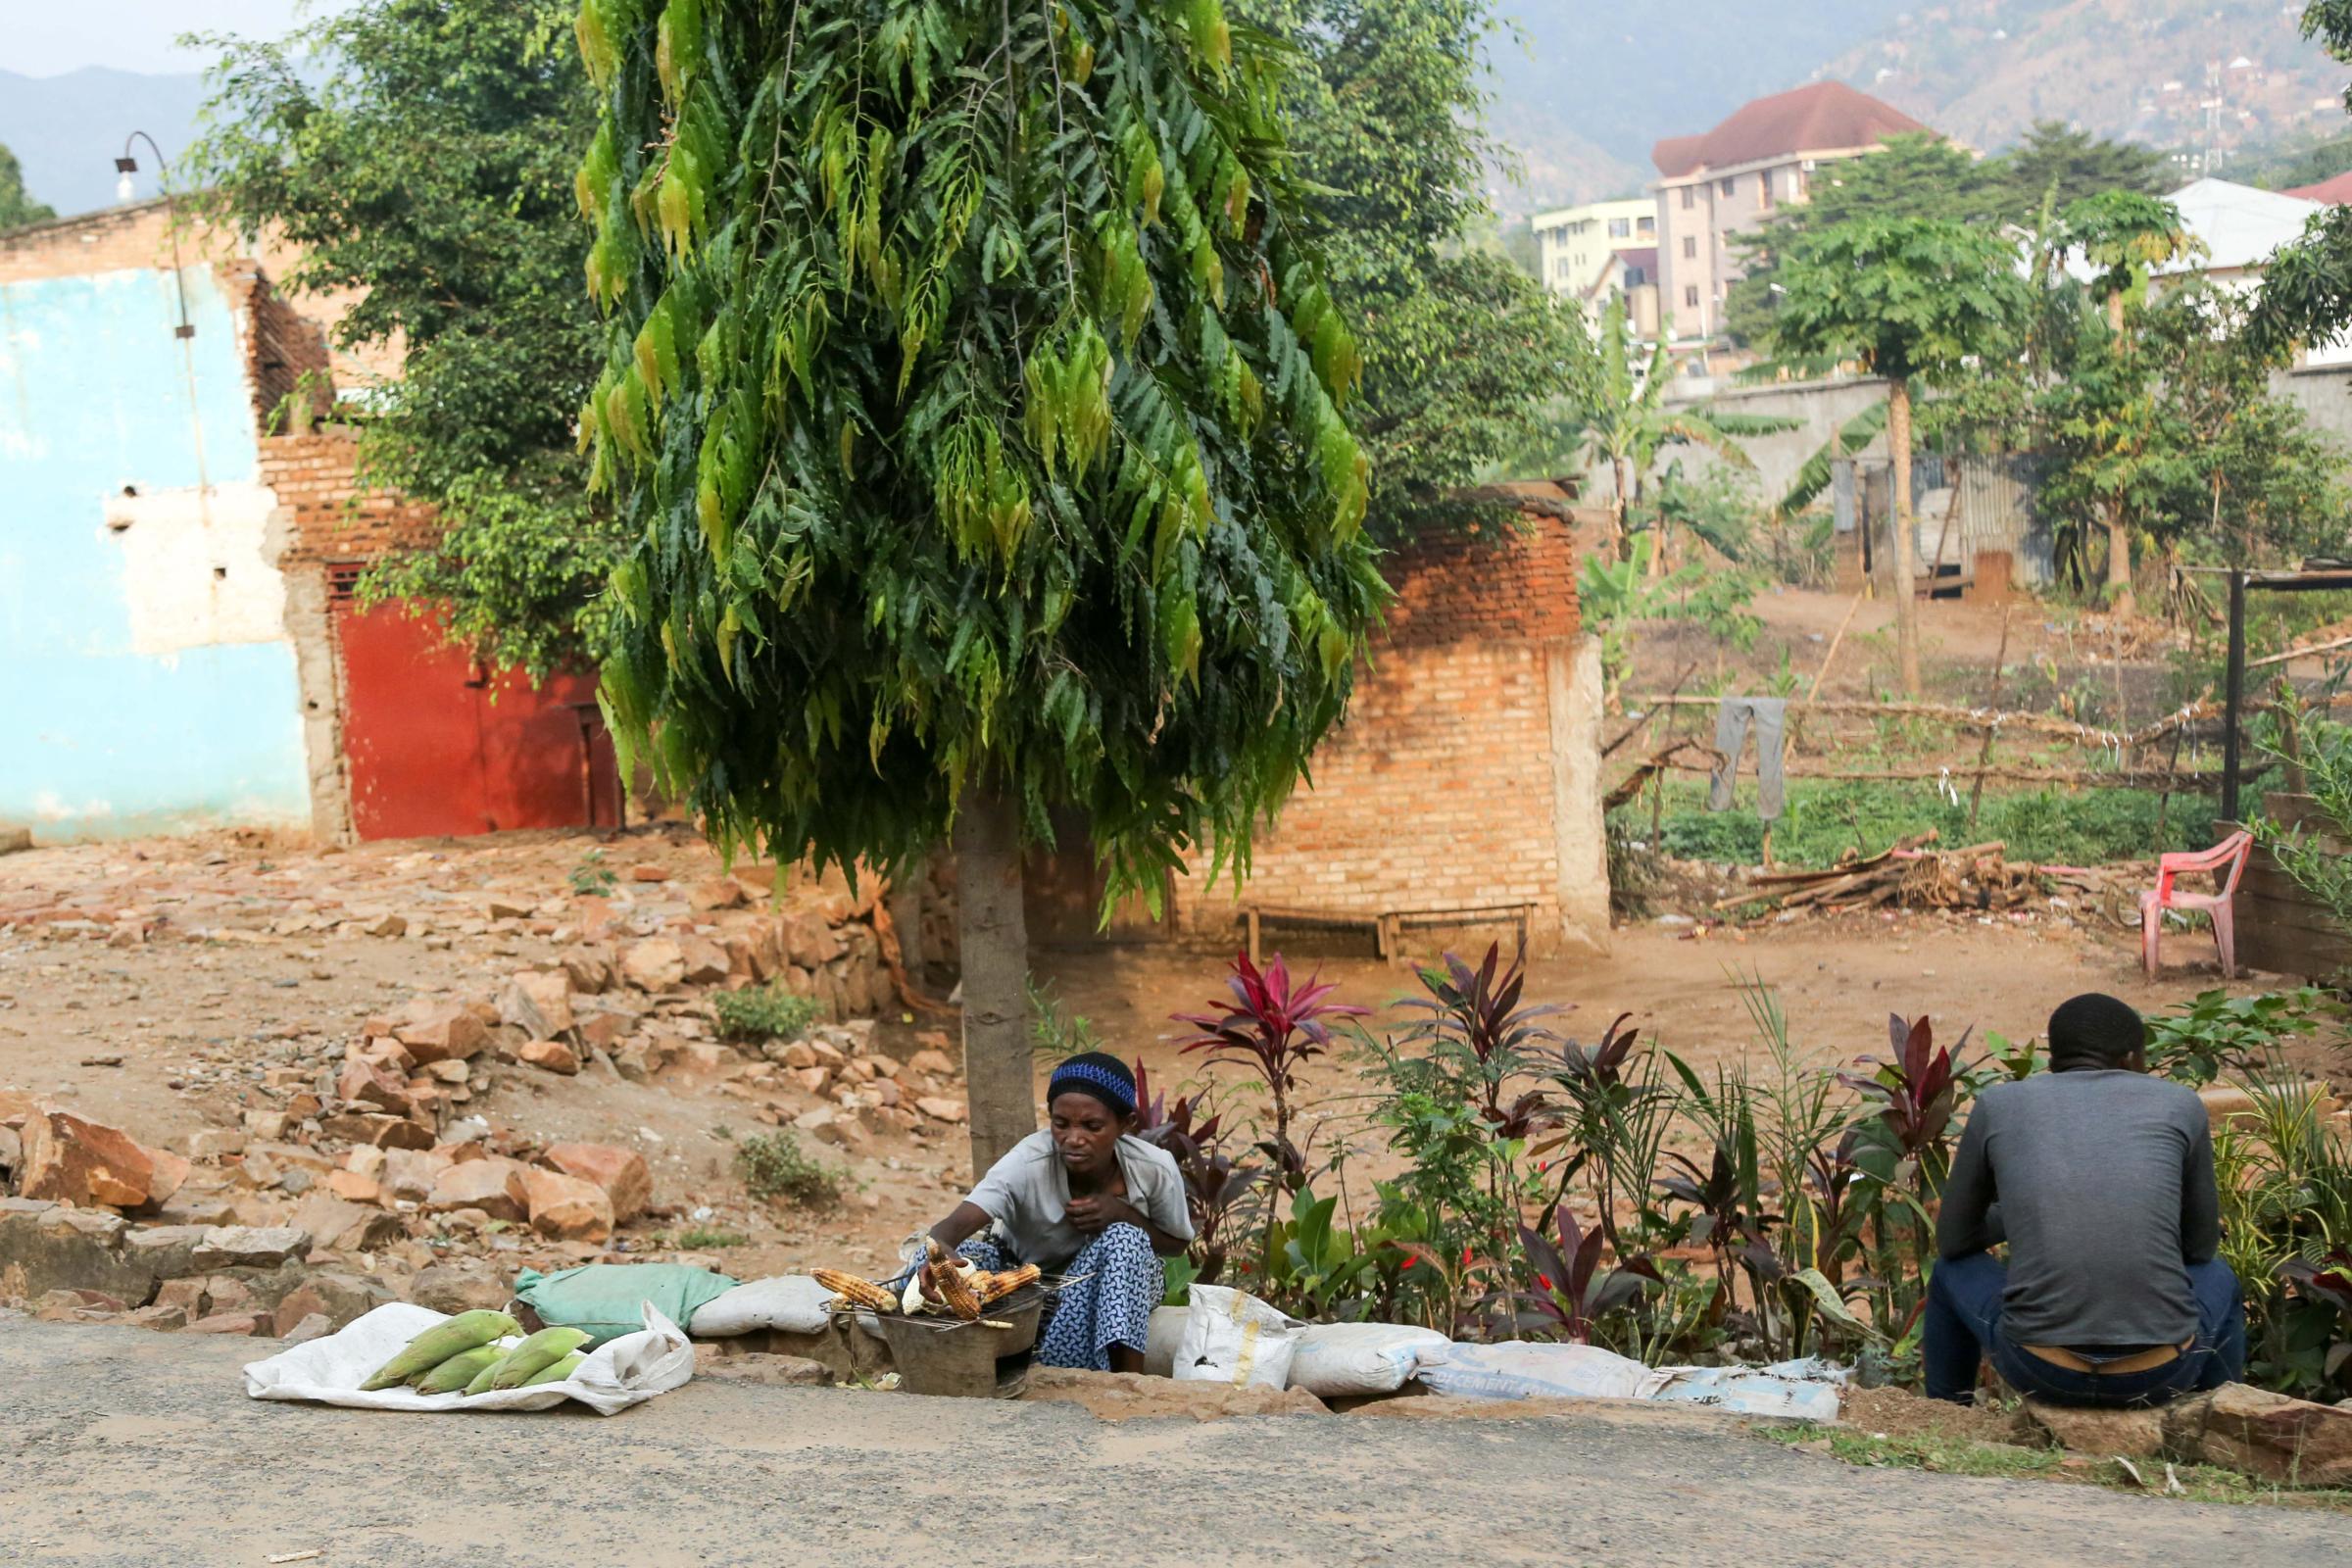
(849, 1290)
(439, 1342)
(994, 1287)
(949, 1283)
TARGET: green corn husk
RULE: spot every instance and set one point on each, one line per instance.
(439, 1342)
(557, 1372)
(458, 1371)
(535, 1354)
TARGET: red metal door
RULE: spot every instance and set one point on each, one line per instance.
(437, 745)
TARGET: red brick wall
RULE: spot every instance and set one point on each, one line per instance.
(333, 518)
(1440, 791)
(1457, 588)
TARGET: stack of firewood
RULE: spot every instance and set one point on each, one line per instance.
(1913, 876)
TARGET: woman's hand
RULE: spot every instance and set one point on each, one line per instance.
(1092, 1215)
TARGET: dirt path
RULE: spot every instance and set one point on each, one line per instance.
(125, 1449)
(1835, 979)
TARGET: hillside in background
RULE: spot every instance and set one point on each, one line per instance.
(68, 131)
(1583, 91)
(2185, 75)
(1604, 85)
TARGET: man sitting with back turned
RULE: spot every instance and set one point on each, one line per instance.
(2101, 1179)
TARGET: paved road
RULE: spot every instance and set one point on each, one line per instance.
(120, 1448)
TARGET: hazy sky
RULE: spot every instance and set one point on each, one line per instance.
(47, 38)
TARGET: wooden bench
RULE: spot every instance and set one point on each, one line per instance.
(1386, 925)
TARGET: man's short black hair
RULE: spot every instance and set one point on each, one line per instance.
(2095, 1030)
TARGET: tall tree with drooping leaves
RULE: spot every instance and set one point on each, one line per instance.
(417, 155)
(1913, 300)
(2126, 235)
(1461, 347)
(977, 414)
(16, 205)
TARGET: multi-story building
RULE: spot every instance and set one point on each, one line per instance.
(1576, 247)
(1728, 181)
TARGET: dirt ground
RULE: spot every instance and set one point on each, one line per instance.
(165, 1035)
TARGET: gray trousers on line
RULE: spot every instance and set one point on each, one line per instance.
(1732, 715)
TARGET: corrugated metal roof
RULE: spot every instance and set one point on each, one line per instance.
(2239, 225)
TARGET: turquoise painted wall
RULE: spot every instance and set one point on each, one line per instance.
(97, 739)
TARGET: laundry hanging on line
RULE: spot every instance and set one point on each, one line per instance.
(1733, 716)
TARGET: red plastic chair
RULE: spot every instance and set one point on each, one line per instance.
(2227, 860)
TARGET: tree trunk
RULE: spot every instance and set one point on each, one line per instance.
(907, 918)
(2118, 561)
(1625, 540)
(1906, 537)
(995, 938)
(2119, 532)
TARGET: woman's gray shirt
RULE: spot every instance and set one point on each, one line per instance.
(1027, 1194)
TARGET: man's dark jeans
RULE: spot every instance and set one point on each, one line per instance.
(1964, 1322)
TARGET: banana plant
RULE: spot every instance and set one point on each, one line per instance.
(1621, 391)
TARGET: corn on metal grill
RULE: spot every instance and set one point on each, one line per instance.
(1038, 1292)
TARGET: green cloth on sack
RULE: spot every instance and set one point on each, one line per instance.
(606, 1300)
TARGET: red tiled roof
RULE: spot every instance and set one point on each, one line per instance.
(1676, 155)
(1821, 118)
(1645, 257)
(2336, 192)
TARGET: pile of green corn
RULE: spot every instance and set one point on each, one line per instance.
(465, 1354)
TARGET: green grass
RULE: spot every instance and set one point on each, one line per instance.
(706, 1238)
(2006, 1461)
(765, 1012)
(1827, 821)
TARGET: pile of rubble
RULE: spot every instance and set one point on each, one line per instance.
(370, 1150)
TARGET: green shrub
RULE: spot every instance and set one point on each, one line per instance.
(765, 1012)
(2195, 1041)
(773, 1167)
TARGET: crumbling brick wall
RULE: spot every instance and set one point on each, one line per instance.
(1465, 775)
(332, 518)
(286, 355)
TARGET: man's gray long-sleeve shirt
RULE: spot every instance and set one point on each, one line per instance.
(2104, 1182)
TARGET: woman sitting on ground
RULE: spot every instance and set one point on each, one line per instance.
(1084, 1198)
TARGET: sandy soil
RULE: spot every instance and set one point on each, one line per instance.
(1838, 979)
(125, 1449)
(216, 998)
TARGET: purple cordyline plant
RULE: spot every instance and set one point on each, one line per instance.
(1272, 1027)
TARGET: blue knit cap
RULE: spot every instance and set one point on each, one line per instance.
(1105, 1077)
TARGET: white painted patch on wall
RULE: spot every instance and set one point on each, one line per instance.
(199, 567)
(48, 808)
